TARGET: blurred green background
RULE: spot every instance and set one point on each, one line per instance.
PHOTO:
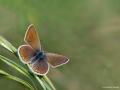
(87, 31)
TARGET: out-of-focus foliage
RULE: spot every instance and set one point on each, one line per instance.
(87, 31)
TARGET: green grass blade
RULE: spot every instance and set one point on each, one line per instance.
(46, 84)
(40, 82)
(43, 82)
(17, 67)
(48, 81)
(14, 65)
(6, 75)
(7, 45)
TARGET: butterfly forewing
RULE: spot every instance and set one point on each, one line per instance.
(56, 60)
(31, 37)
(40, 67)
(25, 53)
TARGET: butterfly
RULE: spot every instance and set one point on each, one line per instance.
(33, 55)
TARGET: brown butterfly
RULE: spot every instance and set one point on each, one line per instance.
(33, 55)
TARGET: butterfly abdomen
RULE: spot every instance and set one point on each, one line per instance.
(39, 55)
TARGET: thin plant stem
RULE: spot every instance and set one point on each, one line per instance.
(40, 82)
(49, 82)
(9, 76)
(17, 67)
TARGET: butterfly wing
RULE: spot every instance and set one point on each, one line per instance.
(31, 37)
(25, 53)
(56, 60)
(40, 67)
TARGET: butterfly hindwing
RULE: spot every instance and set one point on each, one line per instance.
(40, 67)
(25, 53)
(31, 37)
(56, 60)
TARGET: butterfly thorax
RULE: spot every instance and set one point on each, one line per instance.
(39, 55)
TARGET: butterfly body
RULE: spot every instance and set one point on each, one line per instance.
(39, 55)
(32, 54)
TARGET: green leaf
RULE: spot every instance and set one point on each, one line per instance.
(49, 83)
(7, 45)
(6, 75)
(40, 81)
(15, 66)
